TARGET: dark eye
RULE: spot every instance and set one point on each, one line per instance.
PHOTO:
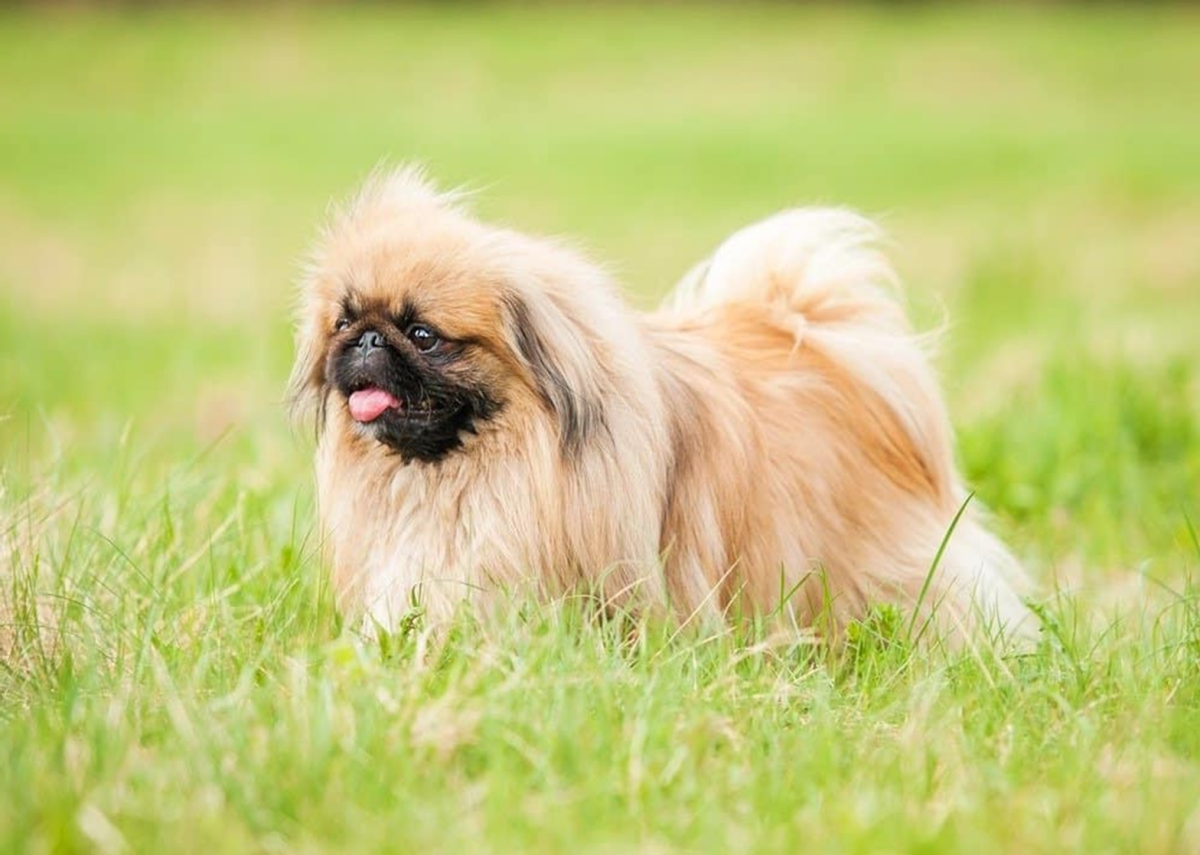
(422, 337)
(342, 323)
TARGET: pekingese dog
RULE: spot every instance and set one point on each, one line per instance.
(492, 417)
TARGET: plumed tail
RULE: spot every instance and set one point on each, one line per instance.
(812, 260)
(821, 278)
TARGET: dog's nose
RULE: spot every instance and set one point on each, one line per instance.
(368, 341)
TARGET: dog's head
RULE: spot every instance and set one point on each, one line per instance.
(422, 329)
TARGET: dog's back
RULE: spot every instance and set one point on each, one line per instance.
(846, 484)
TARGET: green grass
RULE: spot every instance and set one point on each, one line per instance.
(175, 676)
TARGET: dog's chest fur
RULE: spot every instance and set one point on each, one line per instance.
(435, 533)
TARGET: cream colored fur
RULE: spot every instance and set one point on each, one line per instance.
(776, 426)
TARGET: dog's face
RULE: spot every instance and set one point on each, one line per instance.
(428, 329)
(411, 378)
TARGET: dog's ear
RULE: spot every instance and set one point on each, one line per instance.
(307, 386)
(561, 363)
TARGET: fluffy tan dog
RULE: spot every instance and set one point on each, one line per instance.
(492, 417)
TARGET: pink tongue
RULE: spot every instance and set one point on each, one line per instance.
(366, 405)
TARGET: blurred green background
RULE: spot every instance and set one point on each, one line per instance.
(1038, 169)
(173, 674)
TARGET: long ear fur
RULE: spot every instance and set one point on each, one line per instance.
(561, 364)
(306, 385)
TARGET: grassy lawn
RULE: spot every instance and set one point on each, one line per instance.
(175, 676)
